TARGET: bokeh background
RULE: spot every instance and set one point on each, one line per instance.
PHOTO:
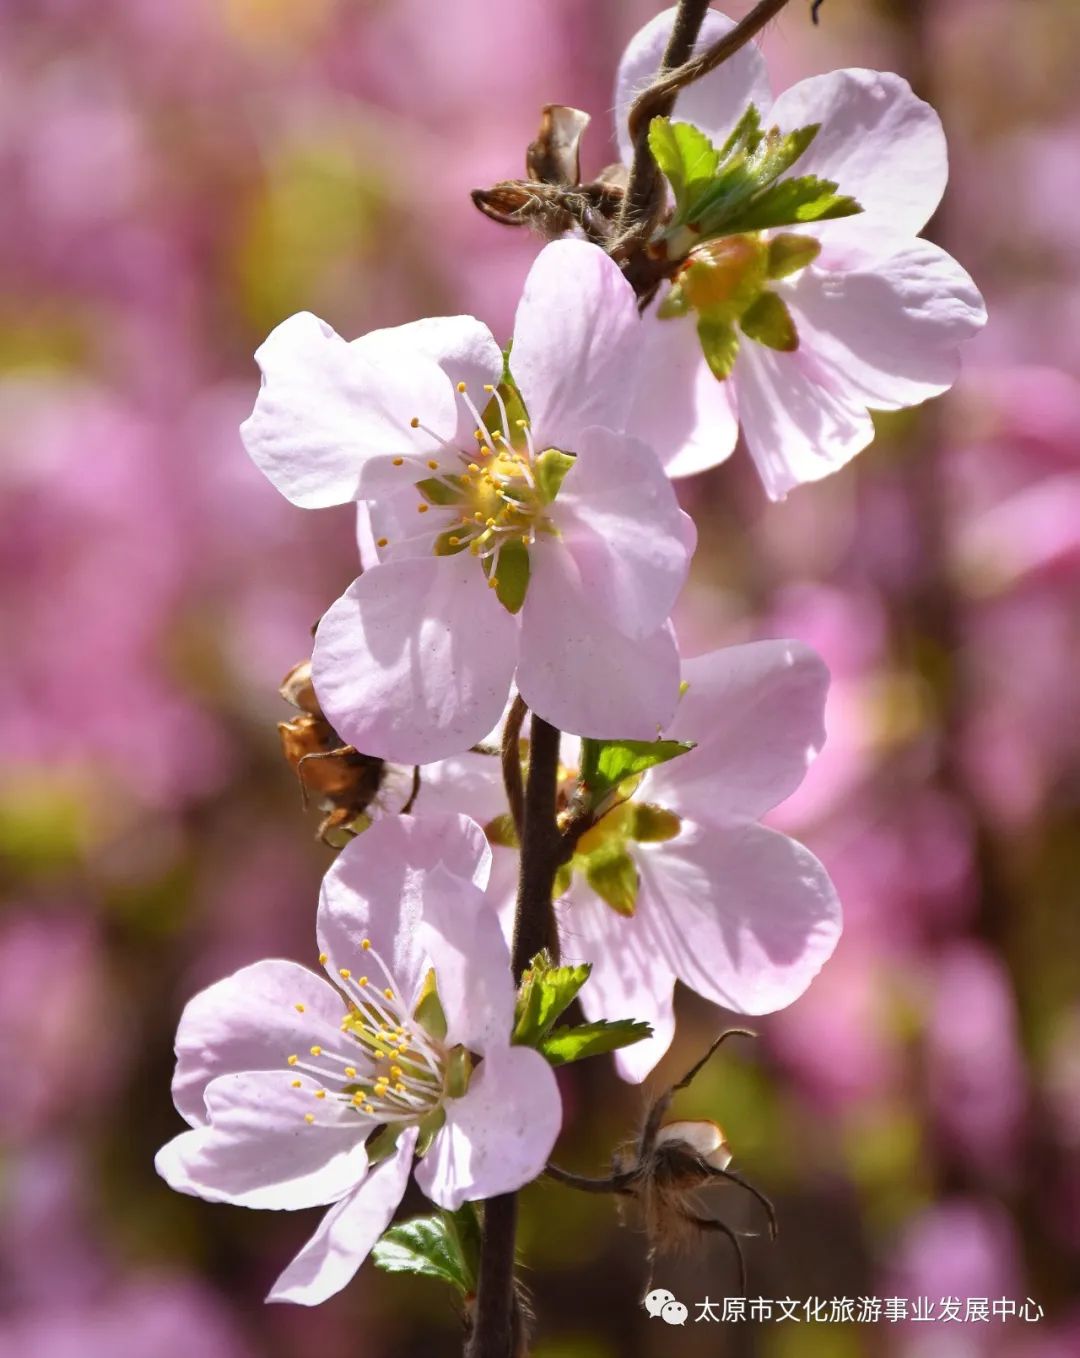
(177, 178)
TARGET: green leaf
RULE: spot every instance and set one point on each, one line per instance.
(613, 875)
(444, 1246)
(746, 135)
(720, 345)
(512, 575)
(619, 759)
(686, 156)
(779, 151)
(546, 991)
(592, 1039)
(769, 322)
(790, 252)
(791, 203)
(550, 470)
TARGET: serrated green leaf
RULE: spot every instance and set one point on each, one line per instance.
(685, 154)
(619, 759)
(546, 991)
(793, 202)
(778, 151)
(746, 134)
(720, 345)
(592, 1039)
(512, 575)
(444, 1246)
(769, 322)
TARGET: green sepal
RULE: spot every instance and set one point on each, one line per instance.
(450, 542)
(512, 575)
(592, 1039)
(652, 824)
(720, 345)
(429, 1128)
(429, 1011)
(436, 491)
(546, 991)
(674, 304)
(792, 203)
(550, 470)
(790, 252)
(382, 1145)
(769, 322)
(563, 878)
(459, 1069)
(444, 1246)
(613, 875)
(686, 156)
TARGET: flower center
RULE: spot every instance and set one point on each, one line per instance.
(727, 284)
(390, 1064)
(492, 499)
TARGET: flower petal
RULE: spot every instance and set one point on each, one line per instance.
(620, 521)
(889, 334)
(460, 930)
(374, 890)
(757, 715)
(582, 674)
(746, 917)
(348, 1232)
(413, 663)
(326, 407)
(880, 143)
(715, 103)
(259, 1151)
(250, 1021)
(499, 1135)
(796, 429)
(678, 407)
(629, 977)
(576, 337)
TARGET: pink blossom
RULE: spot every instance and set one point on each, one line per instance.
(284, 1077)
(575, 519)
(879, 314)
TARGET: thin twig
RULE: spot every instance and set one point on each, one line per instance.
(511, 762)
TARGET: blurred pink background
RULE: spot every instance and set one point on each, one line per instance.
(178, 177)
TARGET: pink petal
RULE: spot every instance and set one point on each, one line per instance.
(757, 715)
(249, 1021)
(889, 334)
(576, 338)
(463, 347)
(796, 429)
(880, 143)
(715, 103)
(348, 1232)
(460, 930)
(678, 407)
(582, 674)
(413, 663)
(326, 407)
(746, 917)
(375, 890)
(499, 1136)
(258, 1150)
(629, 977)
(620, 521)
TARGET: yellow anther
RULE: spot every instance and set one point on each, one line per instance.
(433, 464)
(320, 1093)
(474, 467)
(359, 1097)
(368, 1108)
(366, 944)
(309, 1118)
(388, 993)
(396, 1070)
(399, 461)
(293, 1060)
(488, 386)
(299, 1008)
(490, 522)
(316, 1051)
(455, 542)
(422, 508)
(362, 981)
(323, 959)
(350, 1071)
(380, 1055)
(478, 516)
(400, 1087)
(415, 422)
(493, 583)
(487, 451)
(382, 542)
(522, 424)
(461, 386)
(344, 973)
(525, 539)
(478, 434)
(297, 1084)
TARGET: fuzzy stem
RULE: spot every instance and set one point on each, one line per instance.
(495, 1328)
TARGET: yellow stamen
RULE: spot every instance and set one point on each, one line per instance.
(382, 542)
(316, 1051)
(399, 461)
(297, 1084)
(323, 959)
(293, 1060)
(309, 1118)
(299, 1008)
(461, 386)
(388, 993)
(415, 422)
(344, 973)
(422, 508)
